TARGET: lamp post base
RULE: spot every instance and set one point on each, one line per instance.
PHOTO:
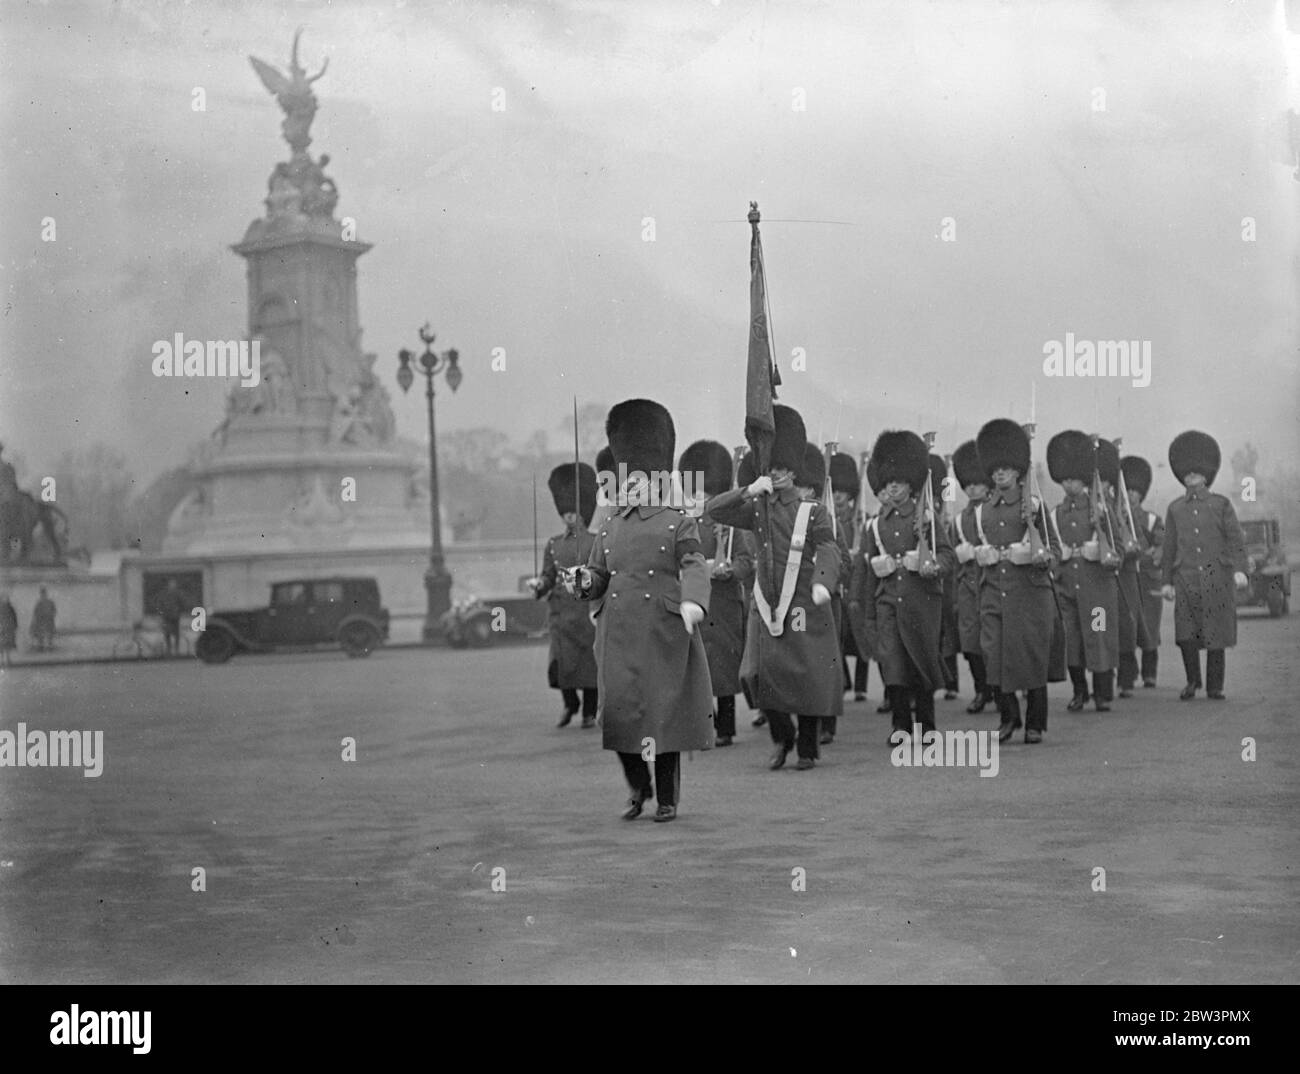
(437, 585)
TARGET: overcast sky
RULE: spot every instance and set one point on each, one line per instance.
(522, 228)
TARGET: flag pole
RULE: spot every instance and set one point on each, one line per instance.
(534, 523)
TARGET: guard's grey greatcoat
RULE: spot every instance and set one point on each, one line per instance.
(1203, 547)
(1086, 590)
(902, 612)
(800, 671)
(571, 664)
(724, 625)
(1017, 605)
(653, 677)
(968, 586)
(1151, 532)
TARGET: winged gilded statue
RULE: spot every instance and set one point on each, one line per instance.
(293, 94)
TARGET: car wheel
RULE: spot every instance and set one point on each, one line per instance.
(358, 639)
(1276, 601)
(215, 647)
(480, 632)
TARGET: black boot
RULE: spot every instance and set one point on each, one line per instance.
(1216, 670)
(1192, 666)
(1103, 689)
(1009, 708)
(1079, 678)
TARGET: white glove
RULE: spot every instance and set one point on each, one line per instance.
(761, 487)
(691, 614)
(820, 594)
(534, 583)
(577, 580)
(1167, 591)
(929, 569)
(1241, 580)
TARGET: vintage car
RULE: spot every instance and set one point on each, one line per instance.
(303, 614)
(1269, 574)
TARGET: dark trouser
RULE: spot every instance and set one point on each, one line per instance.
(977, 672)
(858, 683)
(1035, 708)
(1128, 669)
(950, 672)
(667, 778)
(1150, 661)
(901, 700)
(1103, 683)
(725, 724)
(171, 634)
(1216, 667)
(829, 723)
(783, 733)
(590, 701)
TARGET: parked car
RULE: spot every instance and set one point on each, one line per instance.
(1269, 574)
(307, 613)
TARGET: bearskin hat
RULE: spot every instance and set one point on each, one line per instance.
(1071, 454)
(1137, 474)
(561, 485)
(1108, 462)
(788, 445)
(1002, 443)
(745, 472)
(1194, 452)
(873, 476)
(844, 475)
(966, 465)
(812, 474)
(641, 436)
(605, 461)
(901, 456)
(711, 459)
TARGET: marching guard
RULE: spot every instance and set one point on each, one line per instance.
(1204, 552)
(1088, 574)
(1151, 536)
(1132, 622)
(1018, 611)
(792, 655)
(846, 486)
(647, 574)
(812, 485)
(730, 564)
(571, 663)
(974, 483)
(897, 582)
(949, 644)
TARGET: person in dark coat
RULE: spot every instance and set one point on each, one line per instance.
(1203, 544)
(1132, 625)
(974, 482)
(171, 605)
(43, 621)
(1018, 611)
(730, 565)
(571, 663)
(791, 644)
(811, 483)
(899, 590)
(846, 487)
(647, 573)
(8, 629)
(1151, 538)
(949, 645)
(1088, 580)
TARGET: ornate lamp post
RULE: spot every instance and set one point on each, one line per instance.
(437, 580)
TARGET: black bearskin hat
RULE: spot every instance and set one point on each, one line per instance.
(1197, 452)
(787, 447)
(966, 465)
(1108, 462)
(1137, 474)
(901, 456)
(1002, 443)
(812, 474)
(641, 436)
(844, 475)
(711, 459)
(745, 473)
(605, 461)
(873, 476)
(561, 485)
(1071, 454)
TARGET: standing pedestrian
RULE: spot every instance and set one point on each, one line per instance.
(43, 621)
(170, 606)
(8, 629)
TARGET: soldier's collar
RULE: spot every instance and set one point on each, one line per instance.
(905, 508)
(1011, 495)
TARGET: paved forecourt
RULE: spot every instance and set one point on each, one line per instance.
(383, 869)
